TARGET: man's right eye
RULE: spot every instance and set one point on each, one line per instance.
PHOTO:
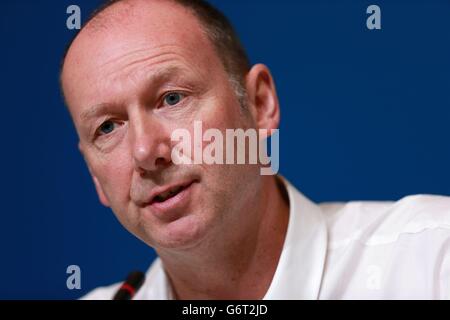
(106, 127)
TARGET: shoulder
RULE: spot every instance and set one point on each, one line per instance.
(388, 249)
(382, 222)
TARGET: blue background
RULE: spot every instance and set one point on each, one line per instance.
(365, 116)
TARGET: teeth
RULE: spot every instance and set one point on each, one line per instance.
(163, 196)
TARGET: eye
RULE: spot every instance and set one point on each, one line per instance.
(106, 127)
(173, 98)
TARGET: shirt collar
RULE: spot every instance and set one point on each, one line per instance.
(301, 265)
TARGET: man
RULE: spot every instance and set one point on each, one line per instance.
(138, 71)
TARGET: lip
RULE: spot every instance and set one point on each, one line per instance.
(159, 190)
(167, 209)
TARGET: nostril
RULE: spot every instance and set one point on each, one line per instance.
(162, 162)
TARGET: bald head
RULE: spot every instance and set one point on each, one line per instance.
(118, 13)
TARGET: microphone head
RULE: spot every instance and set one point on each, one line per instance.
(132, 284)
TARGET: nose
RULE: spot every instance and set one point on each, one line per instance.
(150, 143)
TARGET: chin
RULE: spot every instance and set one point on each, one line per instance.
(184, 233)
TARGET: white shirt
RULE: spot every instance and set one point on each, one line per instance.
(354, 250)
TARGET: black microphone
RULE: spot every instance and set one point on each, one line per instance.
(131, 285)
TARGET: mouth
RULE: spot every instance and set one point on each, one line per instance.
(166, 193)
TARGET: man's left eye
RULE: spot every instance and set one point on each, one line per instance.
(173, 98)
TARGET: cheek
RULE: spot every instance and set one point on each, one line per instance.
(114, 172)
(228, 114)
(224, 113)
(222, 179)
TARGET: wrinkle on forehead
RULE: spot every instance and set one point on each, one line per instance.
(151, 68)
(139, 56)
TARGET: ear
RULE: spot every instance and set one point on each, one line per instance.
(262, 98)
(98, 186)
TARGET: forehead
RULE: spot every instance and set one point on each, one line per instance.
(133, 34)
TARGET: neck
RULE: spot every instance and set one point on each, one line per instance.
(242, 264)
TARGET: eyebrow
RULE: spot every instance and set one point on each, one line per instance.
(93, 111)
(156, 77)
